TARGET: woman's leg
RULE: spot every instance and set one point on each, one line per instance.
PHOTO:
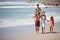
(36, 29)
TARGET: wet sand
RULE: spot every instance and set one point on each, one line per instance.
(28, 33)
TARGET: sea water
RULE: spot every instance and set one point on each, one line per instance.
(20, 13)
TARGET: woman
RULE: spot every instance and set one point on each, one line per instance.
(37, 22)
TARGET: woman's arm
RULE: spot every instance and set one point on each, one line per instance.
(33, 16)
(48, 20)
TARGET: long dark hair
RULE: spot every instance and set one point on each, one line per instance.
(52, 18)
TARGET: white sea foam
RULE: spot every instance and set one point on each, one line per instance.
(29, 5)
(17, 6)
(17, 22)
(16, 3)
(21, 6)
(4, 3)
(20, 22)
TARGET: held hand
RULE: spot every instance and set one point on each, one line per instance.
(47, 20)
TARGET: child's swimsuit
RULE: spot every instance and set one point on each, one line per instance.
(42, 21)
(51, 23)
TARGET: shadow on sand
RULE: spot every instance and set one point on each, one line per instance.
(50, 32)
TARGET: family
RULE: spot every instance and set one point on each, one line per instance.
(40, 20)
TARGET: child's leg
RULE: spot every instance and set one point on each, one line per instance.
(43, 29)
(50, 28)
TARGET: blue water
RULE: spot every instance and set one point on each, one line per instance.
(15, 12)
(24, 12)
(21, 14)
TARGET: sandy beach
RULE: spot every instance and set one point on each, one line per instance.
(16, 22)
(28, 33)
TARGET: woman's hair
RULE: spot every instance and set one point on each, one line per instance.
(52, 18)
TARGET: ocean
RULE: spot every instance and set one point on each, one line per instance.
(20, 13)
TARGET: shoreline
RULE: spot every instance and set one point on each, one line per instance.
(28, 33)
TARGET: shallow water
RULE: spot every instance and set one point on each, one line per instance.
(20, 13)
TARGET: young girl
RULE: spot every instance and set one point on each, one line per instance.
(37, 22)
(42, 21)
(51, 23)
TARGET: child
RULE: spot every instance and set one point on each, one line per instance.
(51, 23)
(37, 22)
(37, 9)
(42, 21)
